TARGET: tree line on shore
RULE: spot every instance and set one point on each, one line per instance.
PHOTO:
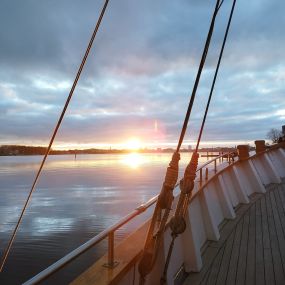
(6, 150)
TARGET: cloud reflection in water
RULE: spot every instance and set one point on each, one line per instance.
(44, 225)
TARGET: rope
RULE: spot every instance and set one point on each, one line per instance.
(197, 80)
(165, 199)
(221, 4)
(152, 242)
(178, 223)
(7, 250)
(215, 76)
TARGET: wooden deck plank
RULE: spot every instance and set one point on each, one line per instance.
(207, 258)
(206, 278)
(252, 247)
(281, 190)
(222, 276)
(278, 217)
(230, 225)
(280, 194)
(268, 262)
(259, 258)
(279, 207)
(212, 278)
(242, 258)
(277, 262)
(250, 259)
(231, 277)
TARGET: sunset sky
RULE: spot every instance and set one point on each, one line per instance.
(139, 76)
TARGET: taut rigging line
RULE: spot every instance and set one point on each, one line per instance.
(177, 223)
(8, 248)
(153, 239)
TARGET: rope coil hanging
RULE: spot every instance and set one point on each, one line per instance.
(8, 248)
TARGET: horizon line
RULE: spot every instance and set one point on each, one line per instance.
(123, 146)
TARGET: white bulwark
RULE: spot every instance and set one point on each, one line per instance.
(215, 202)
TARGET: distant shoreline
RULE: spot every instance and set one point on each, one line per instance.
(19, 150)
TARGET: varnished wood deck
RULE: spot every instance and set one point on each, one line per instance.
(252, 247)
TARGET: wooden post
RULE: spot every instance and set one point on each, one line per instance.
(111, 248)
(111, 253)
(260, 146)
(243, 152)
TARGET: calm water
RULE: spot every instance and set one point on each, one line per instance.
(74, 200)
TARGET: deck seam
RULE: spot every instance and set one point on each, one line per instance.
(230, 242)
(219, 269)
(246, 244)
(272, 262)
(219, 260)
(258, 208)
(242, 263)
(282, 204)
(250, 258)
(278, 210)
(239, 240)
(277, 236)
(282, 197)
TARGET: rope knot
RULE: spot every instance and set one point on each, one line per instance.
(175, 160)
(191, 168)
(187, 183)
(171, 175)
(166, 196)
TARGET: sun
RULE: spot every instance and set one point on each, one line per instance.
(133, 144)
(133, 160)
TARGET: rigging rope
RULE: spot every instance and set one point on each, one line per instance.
(8, 248)
(153, 240)
(215, 76)
(177, 223)
(197, 80)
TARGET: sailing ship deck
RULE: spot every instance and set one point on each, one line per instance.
(235, 233)
(251, 249)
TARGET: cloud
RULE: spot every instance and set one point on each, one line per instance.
(140, 70)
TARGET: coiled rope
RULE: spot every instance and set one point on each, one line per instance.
(8, 248)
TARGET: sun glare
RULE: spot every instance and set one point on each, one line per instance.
(133, 144)
(133, 160)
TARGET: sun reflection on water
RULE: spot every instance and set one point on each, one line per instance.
(134, 160)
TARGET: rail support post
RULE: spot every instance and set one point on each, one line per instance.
(111, 245)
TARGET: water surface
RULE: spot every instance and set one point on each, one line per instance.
(74, 200)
